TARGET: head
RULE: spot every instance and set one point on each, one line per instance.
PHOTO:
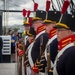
(19, 34)
(11, 32)
(52, 17)
(31, 34)
(37, 24)
(30, 38)
(65, 27)
(27, 28)
(49, 27)
(26, 25)
(63, 33)
(38, 19)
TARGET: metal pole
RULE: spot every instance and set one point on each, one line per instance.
(7, 14)
(4, 19)
(1, 14)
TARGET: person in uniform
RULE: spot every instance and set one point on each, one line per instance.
(24, 43)
(27, 28)
(65, 60)
(27, 42)
(41, 38)
(52, 45)
(31, 37)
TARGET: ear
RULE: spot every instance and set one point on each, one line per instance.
(70, 32)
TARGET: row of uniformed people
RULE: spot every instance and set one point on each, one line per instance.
(28, 39)
(65, 62)
(37, 48)
(41, 49)
(39, 38)
(51, 49)
(64, 25)
(36, 54)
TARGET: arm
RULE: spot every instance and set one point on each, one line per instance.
(70, 62)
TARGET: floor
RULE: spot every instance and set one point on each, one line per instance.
(8, 69)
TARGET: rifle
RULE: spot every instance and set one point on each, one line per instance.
(20, 53)
(22, 69)
(41, 49)
(24, 48)
(48, 58)
(41, 45)
(37, 63)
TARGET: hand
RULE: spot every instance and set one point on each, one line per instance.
(12, 41)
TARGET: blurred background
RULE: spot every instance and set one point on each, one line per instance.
(11, 11)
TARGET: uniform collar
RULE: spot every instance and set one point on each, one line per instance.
(40, 34)
(66, 41)
(41, 28)
(52, 33)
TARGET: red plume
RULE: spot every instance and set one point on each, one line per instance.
(47, 5)
(35, 6)
(24, 12)
(28, 13)
(65, 6)
(30, 21)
